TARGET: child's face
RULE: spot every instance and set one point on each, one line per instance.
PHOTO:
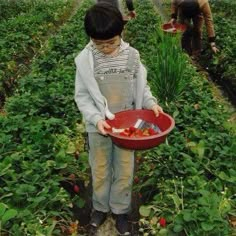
(108, 46)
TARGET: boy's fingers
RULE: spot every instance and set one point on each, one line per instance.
(104, 126)
(107, 126)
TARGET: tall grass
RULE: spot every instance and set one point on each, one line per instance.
(169, 65)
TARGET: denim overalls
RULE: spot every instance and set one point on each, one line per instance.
(112, 167)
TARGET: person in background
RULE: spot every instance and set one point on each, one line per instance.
(129, 5)
(193, 13)
(109, 74)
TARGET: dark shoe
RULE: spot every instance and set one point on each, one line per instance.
(122, 224)
(92, 231)
(98, 218)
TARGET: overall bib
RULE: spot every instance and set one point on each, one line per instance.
(112, 167)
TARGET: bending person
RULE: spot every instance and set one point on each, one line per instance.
(193, 13)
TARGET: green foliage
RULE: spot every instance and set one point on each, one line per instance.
(189, 180)
(168, 68)
(163, 56)
(6, 214)
(41, 140)
(30, 27)
(222, 65)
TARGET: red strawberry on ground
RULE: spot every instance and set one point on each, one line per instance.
(162, 222)
(136, 179)
(76, 188)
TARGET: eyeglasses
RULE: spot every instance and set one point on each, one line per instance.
(106, 45)
(111, 45)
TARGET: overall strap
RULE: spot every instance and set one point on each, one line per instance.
(131, 59)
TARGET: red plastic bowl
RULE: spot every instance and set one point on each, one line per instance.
(180, 28)
(126, 119)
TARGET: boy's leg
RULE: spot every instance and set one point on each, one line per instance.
(121, 188)
(100, 157)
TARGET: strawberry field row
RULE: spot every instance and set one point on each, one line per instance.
(23, 35)
(40, 141)
(189, 181)
(222, 65)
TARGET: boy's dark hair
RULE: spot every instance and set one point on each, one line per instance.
(103, 21)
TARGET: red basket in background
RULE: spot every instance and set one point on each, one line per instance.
(126, 119)
(173, 28)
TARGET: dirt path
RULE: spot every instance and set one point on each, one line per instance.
(108, 228)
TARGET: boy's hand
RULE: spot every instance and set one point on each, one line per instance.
(101, 126)
(157, 109)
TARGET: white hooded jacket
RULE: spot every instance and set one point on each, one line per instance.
(88, 97)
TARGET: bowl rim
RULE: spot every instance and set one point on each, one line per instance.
(162, 134)
(183, 26)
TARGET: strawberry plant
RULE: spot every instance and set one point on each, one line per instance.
(178, 178)
(187, 185)
(221, 66)
(29, 31)
(40, 136)
(163, 57)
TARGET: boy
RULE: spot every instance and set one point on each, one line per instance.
(109, 72)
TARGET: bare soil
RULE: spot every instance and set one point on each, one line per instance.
(83, 214)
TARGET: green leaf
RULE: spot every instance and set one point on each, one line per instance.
(191, 144)
(78, 201)
(9, 214)
(175, 114)
(3, 208)
(24, 189)
(71, 148)
(207, 226)
(201, 148)
(163, 232)
(178, 228)
(145, 211)
(187, 216)
(4, 169)
(179, 219)
(51, 228)
(225, 206)
(223, 176)
(176, 199)
(60, 165)
(50, 163)
(81, 203)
